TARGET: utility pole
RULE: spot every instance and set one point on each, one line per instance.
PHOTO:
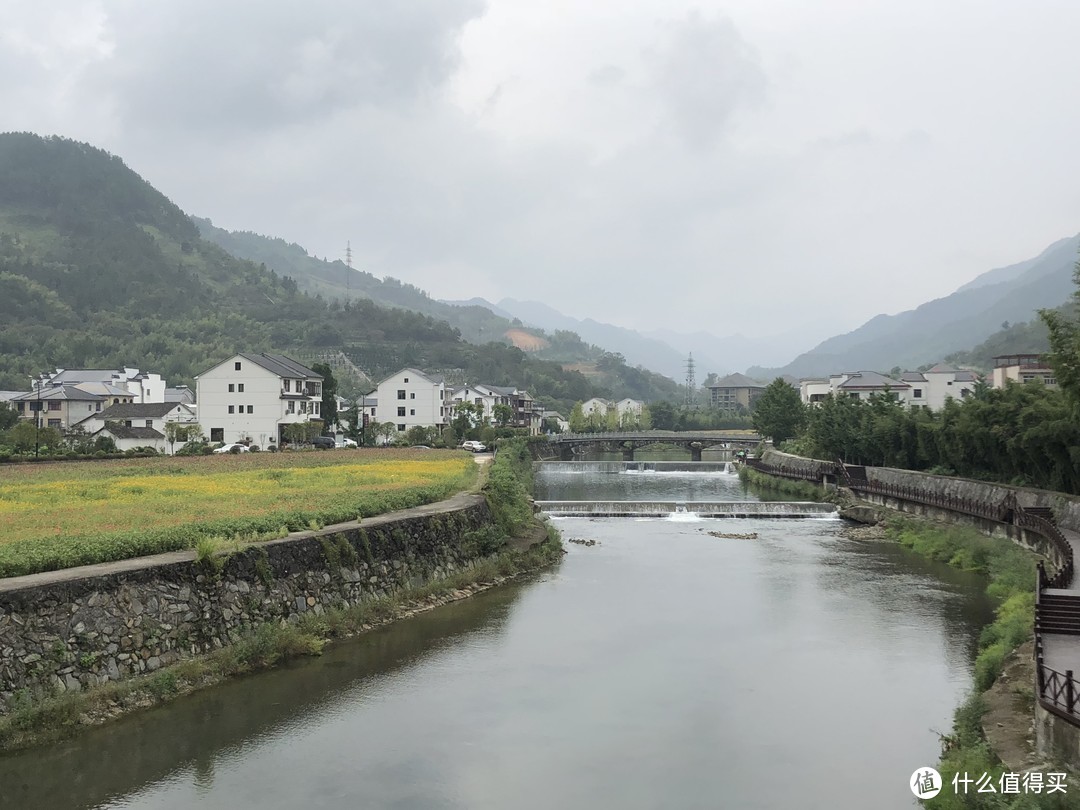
(691, 383)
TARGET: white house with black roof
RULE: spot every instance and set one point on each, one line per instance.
(411, 398)
(252, 398)
(149, 418)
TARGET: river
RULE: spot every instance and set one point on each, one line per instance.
(660, 668)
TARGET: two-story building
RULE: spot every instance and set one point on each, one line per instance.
(411, 398)
(64, 405)
(1022, 368)
(252, 398)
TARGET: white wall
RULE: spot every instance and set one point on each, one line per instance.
(424, 401)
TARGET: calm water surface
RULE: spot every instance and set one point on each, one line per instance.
(662, 668)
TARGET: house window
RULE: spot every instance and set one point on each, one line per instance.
(149, 423)
(400, 411)
(236, 365)
(412, 411)
(288, 384)
(231, 409)
(372, 411)
(90, 407)
(231, 388)
(401, 428)
(240, 387)
(303, 406)
(949, 382)
(22, 407)
(918, 393)
(251, 409)
(317, 404)
(401, 393)
(412, 396)
(54, 423)
(54, 406)
(97, 406)
(127, 423)
(290, 408)
(406, 379)
(35, 406)
(217, 434)
(442, 411)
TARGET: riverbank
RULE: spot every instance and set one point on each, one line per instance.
(803, 490)
(80, 646)
(262, 647)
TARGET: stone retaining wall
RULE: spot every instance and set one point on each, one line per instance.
(73, 629)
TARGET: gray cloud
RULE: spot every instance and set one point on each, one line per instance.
(241, 66)
(706, 72)
(677, 169)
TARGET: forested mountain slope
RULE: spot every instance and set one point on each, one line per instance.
(97, 268)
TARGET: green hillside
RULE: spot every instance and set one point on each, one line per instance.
(335, 281)
(98, 269)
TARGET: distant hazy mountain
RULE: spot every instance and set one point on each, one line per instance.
(638, 349)
(946, 325)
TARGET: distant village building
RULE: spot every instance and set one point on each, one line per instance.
(735, 392)
(928, 389)
(1022, 368)
(61, 406)
(253, 398)
(142, 386)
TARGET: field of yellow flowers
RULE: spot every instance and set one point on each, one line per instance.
(75, 513)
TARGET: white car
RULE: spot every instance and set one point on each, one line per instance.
(347, 443)
(476, 447)
(232, 448)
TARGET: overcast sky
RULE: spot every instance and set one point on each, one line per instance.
(754, 166)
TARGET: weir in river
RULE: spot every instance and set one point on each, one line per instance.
(721, 509)
(713, 467)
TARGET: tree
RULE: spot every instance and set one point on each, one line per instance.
(1065, 343)
(611, 419)
(8, 417)
(663, 415)
(503, 414)
(182, 432)
(329, 394)
(779, 413)
(577, 419)
(296, 432)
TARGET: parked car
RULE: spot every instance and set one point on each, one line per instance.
(324, 442)
(476, 447)
(235, 447)
(348, 443)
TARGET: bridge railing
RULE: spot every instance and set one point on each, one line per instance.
(659, 436)
(1058, 692)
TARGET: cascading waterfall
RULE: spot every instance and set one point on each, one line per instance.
(713, 467)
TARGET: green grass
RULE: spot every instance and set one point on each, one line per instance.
(803, 490)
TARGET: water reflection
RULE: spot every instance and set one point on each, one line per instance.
(663, 667)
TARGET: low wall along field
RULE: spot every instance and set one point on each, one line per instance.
(67, 514)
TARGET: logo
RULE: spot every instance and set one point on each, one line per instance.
(925, 783)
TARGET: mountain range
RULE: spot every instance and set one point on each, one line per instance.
(945, 326)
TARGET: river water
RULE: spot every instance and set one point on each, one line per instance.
(660, 668)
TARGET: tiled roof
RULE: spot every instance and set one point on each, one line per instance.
(871, 379)
(133, 410)
(736, 381)
(912, 376)
(281, 365)
(120, 431)
(62, 392)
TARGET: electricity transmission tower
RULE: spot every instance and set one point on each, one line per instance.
(691, 383)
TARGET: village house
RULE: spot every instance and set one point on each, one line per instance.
(253, 398)
(143, 387)
(411, 398)
(735, 392)
(1022, 368)
(61, 406)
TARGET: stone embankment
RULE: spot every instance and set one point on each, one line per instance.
(74, 629)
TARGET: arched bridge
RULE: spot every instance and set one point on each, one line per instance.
(695, 441)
